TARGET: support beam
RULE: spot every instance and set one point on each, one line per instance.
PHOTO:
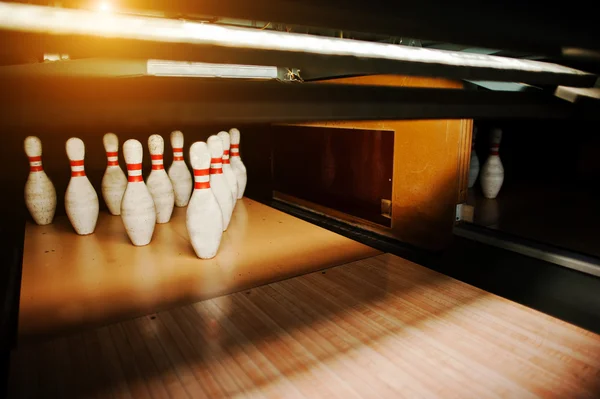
(48, 102)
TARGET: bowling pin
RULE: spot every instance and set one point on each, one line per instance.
(492, 173)
(204, 219)
(227, 170)
(158, 182)
(114, 180)
(474, 164)
(137, 208)
(236, 162)
(218, 183)
(178, 171)
(81, 200)
(40, 195)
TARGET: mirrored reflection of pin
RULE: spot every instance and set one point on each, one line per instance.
(492, 172)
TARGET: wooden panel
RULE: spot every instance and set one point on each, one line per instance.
(464, 159)
(72, 281)
(43, 103)
(379, 327)
(429, 160)
(349, 170)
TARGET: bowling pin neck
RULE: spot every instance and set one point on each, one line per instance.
(134, 173)
(112, 158)
(157, 162)
(216, 166)
(178, 154)
(494, 148)
(35, 164)
(77, 168)
(226, 157)
(235, 150)
(201, 179)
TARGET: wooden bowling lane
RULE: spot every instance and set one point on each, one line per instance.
(70, 281)
(377, 327)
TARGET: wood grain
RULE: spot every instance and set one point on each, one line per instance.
(427, 160)
(349, 170)
(378, 327)
(72, 281)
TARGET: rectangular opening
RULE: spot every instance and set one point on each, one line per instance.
(349, 170)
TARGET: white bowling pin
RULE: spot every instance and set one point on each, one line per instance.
(40, 194)
(158, 182)
(218, 183)
(474, 164)
(114, 180)
(81, 200)
(227, 170)
(236, 162)
(492, 173)
(204, 219)
(137, 208)
(178, 171)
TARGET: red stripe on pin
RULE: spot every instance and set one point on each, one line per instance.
(113, 163)
(135, 179)
(201, 185)
(112, 154)
(134, 166)
(78, 173)
(158, 167)
(37, 168)
(217, 170)
(156, 157)
(77, 163)
(35, 159)
(225, 152)
(177, 158)
(201, 172)
(235, 146)
(226, 161)
(177, 149)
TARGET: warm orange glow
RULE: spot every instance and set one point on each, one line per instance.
(104, 6)
(62, 21)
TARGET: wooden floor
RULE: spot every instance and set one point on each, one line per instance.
(72, 281)
(378, 327)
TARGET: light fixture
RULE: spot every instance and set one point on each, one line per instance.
(208, 70)
(104, 6)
